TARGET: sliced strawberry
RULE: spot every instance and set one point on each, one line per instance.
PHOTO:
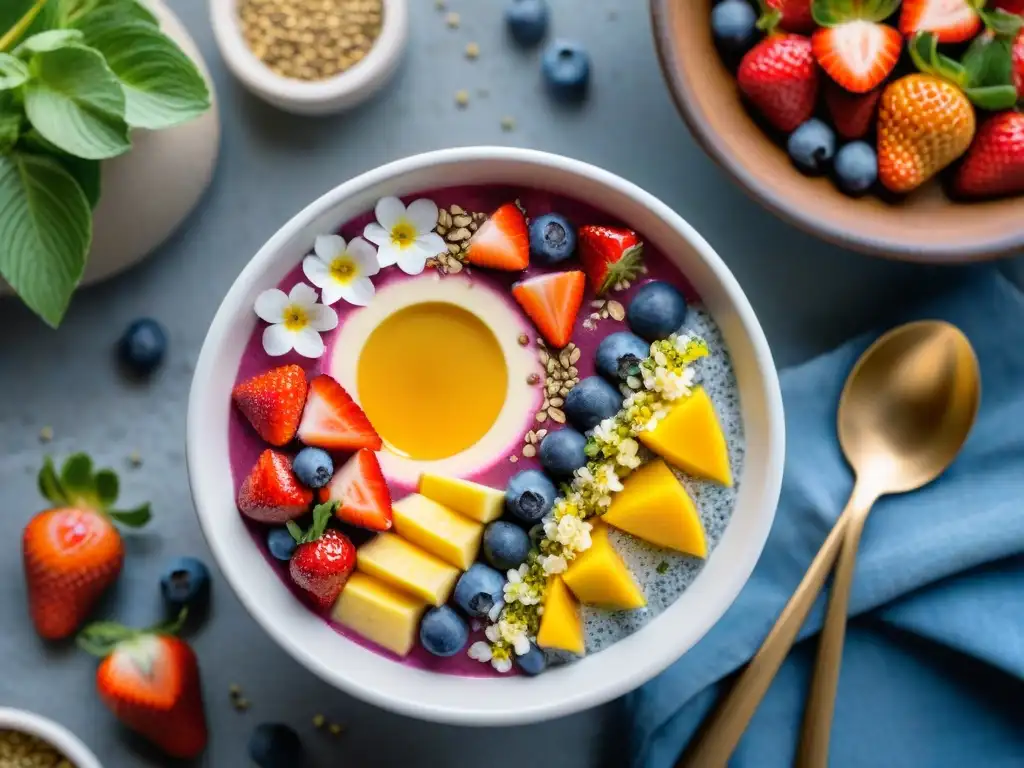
(858, 55)
(795, 15)
(272, 493)
(323, 559)
(609, 256)
(273, 401)
(502, 242)
(952, 21)
(552, 302)
(853, 114)
(361, 493)
(332, 420)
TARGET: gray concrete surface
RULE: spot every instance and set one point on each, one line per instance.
(808, 295)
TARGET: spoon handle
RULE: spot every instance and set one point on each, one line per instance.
(724, 728)
(821, 700)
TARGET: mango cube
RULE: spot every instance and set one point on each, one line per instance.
(599, 577)
(473, 500)
(379, 613)
(436, 529)
(407, 567)
(561, 626)
(654, 506)
(690, 438)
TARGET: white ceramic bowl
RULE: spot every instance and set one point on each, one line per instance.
(335, 94)
(56, 735)
(487, 701)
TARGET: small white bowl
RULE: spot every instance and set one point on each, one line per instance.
(321, 97)
(517, 699)
(59, 737)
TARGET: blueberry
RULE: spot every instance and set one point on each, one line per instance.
(527, 21)
(552, 239)
(734, 25)
(506, 545)
(533, 662)
(281, 543)
(275, 745)
(142, 346)
(563, 452)
(619, 353)
(566, 68)
(856, 167)
(657, 311)
(478, 589)
(185, 582)
(443, 632)
(529, 495)
(590, 402)
(811, 146)
(313, 467)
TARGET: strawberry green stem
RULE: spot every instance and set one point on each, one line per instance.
(322, 515)
(769, 17)
(101, 638)
(79, 485)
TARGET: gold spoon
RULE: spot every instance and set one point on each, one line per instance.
(904, 414)
(905, 411)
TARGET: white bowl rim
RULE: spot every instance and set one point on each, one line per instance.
(342, 91)
(55, 734)
(549, 696)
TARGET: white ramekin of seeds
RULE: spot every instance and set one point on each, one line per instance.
(311, 57)
(30, 740)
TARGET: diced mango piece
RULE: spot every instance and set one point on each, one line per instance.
(432, 526)
(473, 500)
(403, 565)
(379, 613)
(690, 438)
(654, 506)
(561, 626)
(599, 577)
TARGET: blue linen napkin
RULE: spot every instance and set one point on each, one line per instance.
(933, 667)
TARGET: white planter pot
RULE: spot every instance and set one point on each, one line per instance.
(148, 192)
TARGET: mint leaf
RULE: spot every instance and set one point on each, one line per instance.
(162, 87)
(86, 172)
(13, 72)
(88, 12)
(46, 228)
(76, 102)
(50, 40)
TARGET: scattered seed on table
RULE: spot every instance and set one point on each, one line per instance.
(336, 729)
(235, 689)
(318, 721)
(135, 459)
(453, 20)
(241, 704)
(46, 434)
(472, 50)
(508, 124)
(462, 98)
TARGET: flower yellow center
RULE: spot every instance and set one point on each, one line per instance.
(403, 234)
(344, 270)
(295, 317)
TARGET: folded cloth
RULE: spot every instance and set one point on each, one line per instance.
(933, 667)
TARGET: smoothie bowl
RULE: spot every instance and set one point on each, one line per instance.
(486, 436)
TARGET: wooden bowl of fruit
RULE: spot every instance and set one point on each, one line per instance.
(888, 127)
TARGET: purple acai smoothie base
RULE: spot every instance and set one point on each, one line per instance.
(246, 446)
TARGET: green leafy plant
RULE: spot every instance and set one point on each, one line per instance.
(76, 77)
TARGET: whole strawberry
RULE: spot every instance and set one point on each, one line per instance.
(323, 559)
(853, 114)
(994, 164)
(73, 552)
(779, 76)
(794, 15)
(149, 679)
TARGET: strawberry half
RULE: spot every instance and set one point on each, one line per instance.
(361, 493)
(502, 242)
(853, 47)
(552, 302)
(72, 553)
(853, 114)
(150, 680)
(323, 559)
(332, 419)
(272, 493)
(952, 21)
(273, 402)
(609, 256)
(994, 164)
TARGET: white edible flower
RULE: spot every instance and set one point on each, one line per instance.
(342, 270)
(514, 633)
(480, 651)
(553, 564)
(571, 532)
(492, 634)
(502, 665)
(296, 321)
(405, 236)
(607, 431)
(495, 611)
(627, 453)
(606, 480)
(517, 590)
